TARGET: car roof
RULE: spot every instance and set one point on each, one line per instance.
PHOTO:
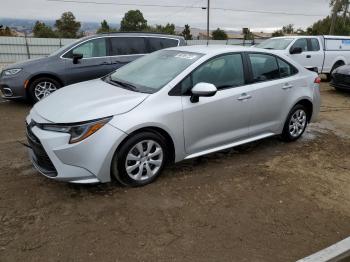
(217, 49)
(144, 34)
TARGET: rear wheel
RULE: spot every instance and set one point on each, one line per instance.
(140, 160)
(43, 87)
(295, 124)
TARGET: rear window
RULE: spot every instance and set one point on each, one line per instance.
(128, 46)
(264, 67)
(156, 44)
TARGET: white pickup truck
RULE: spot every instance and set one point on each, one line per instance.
(322, 54)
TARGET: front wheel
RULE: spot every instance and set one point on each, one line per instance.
(43, 87)
(140, 160)
(295, 124)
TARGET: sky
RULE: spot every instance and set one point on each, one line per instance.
(311, 10)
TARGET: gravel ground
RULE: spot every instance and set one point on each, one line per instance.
(267, 201)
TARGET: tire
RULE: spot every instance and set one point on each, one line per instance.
(143, 168)
(295, 124)
(42, 87)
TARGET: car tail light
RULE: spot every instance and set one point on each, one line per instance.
(317, 80)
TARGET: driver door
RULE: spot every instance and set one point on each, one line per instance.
(94, 64)
(222, 119)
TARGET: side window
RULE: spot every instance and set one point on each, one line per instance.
(156, 44)
(302, 43)
(128, 46)
(314, 45)
(93, 48)
(223, 72)
(286, 69)
(264, 67)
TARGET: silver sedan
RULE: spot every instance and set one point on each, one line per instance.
(171, 105)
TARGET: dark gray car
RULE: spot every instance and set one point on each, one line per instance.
(85, 59)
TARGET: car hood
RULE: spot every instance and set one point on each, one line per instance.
(28, 63)
(87, 101)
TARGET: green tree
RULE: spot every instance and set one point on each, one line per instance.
(67, 26)
(104, 28)
(40, 29)
(133, 20)
(5, 31)
(322, 27)
(277, 33)
(186, 33)
(167, 29)
(219, 34)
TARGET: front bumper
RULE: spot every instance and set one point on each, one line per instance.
(12, 87)
(88, 161)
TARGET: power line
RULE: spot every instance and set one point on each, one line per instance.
(192, 7)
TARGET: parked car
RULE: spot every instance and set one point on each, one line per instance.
(341, 78)
(87, 58)
(322, 54)
(171, 105)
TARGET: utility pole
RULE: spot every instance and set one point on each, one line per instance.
(208, 12)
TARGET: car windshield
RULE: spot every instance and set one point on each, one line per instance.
(152, 72)
(275, 44)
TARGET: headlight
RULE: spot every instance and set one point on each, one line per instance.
(11, 72)
(78, 132)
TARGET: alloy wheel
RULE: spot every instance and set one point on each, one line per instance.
(144, 160)
(44, 89)
(297, 123)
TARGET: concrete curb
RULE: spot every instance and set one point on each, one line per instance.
(334, 253)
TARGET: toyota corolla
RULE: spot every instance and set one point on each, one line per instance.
(171, 105)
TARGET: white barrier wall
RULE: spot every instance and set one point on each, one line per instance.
(16, 49)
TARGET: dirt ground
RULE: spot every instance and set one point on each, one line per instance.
(267, 201)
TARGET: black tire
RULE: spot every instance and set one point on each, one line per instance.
(49, 82)
(119, 161)
(287, 133)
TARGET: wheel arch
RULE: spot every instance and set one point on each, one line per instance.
(39, 75)
(307, 103)
(159, 131)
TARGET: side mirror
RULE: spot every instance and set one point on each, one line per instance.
(77, 57)
(204, 90)
(295, 50)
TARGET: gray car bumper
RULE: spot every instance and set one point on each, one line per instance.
(13, 87)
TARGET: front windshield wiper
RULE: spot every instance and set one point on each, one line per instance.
(123, 84)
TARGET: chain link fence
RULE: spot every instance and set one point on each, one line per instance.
(17, 49)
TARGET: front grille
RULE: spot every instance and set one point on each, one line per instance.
(41, 158)
(341, 79)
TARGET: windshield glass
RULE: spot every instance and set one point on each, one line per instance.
(275, 44)
(152, 72)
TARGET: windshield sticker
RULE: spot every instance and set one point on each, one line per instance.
(186, 56)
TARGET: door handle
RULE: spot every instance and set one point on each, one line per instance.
(243, 97)
(308, 56)
(287, 86)
(105, 63)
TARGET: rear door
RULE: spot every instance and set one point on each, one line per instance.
(124, 50)
(273, 81)
(94, 64)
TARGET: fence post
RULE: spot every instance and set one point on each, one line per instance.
(27, 46)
